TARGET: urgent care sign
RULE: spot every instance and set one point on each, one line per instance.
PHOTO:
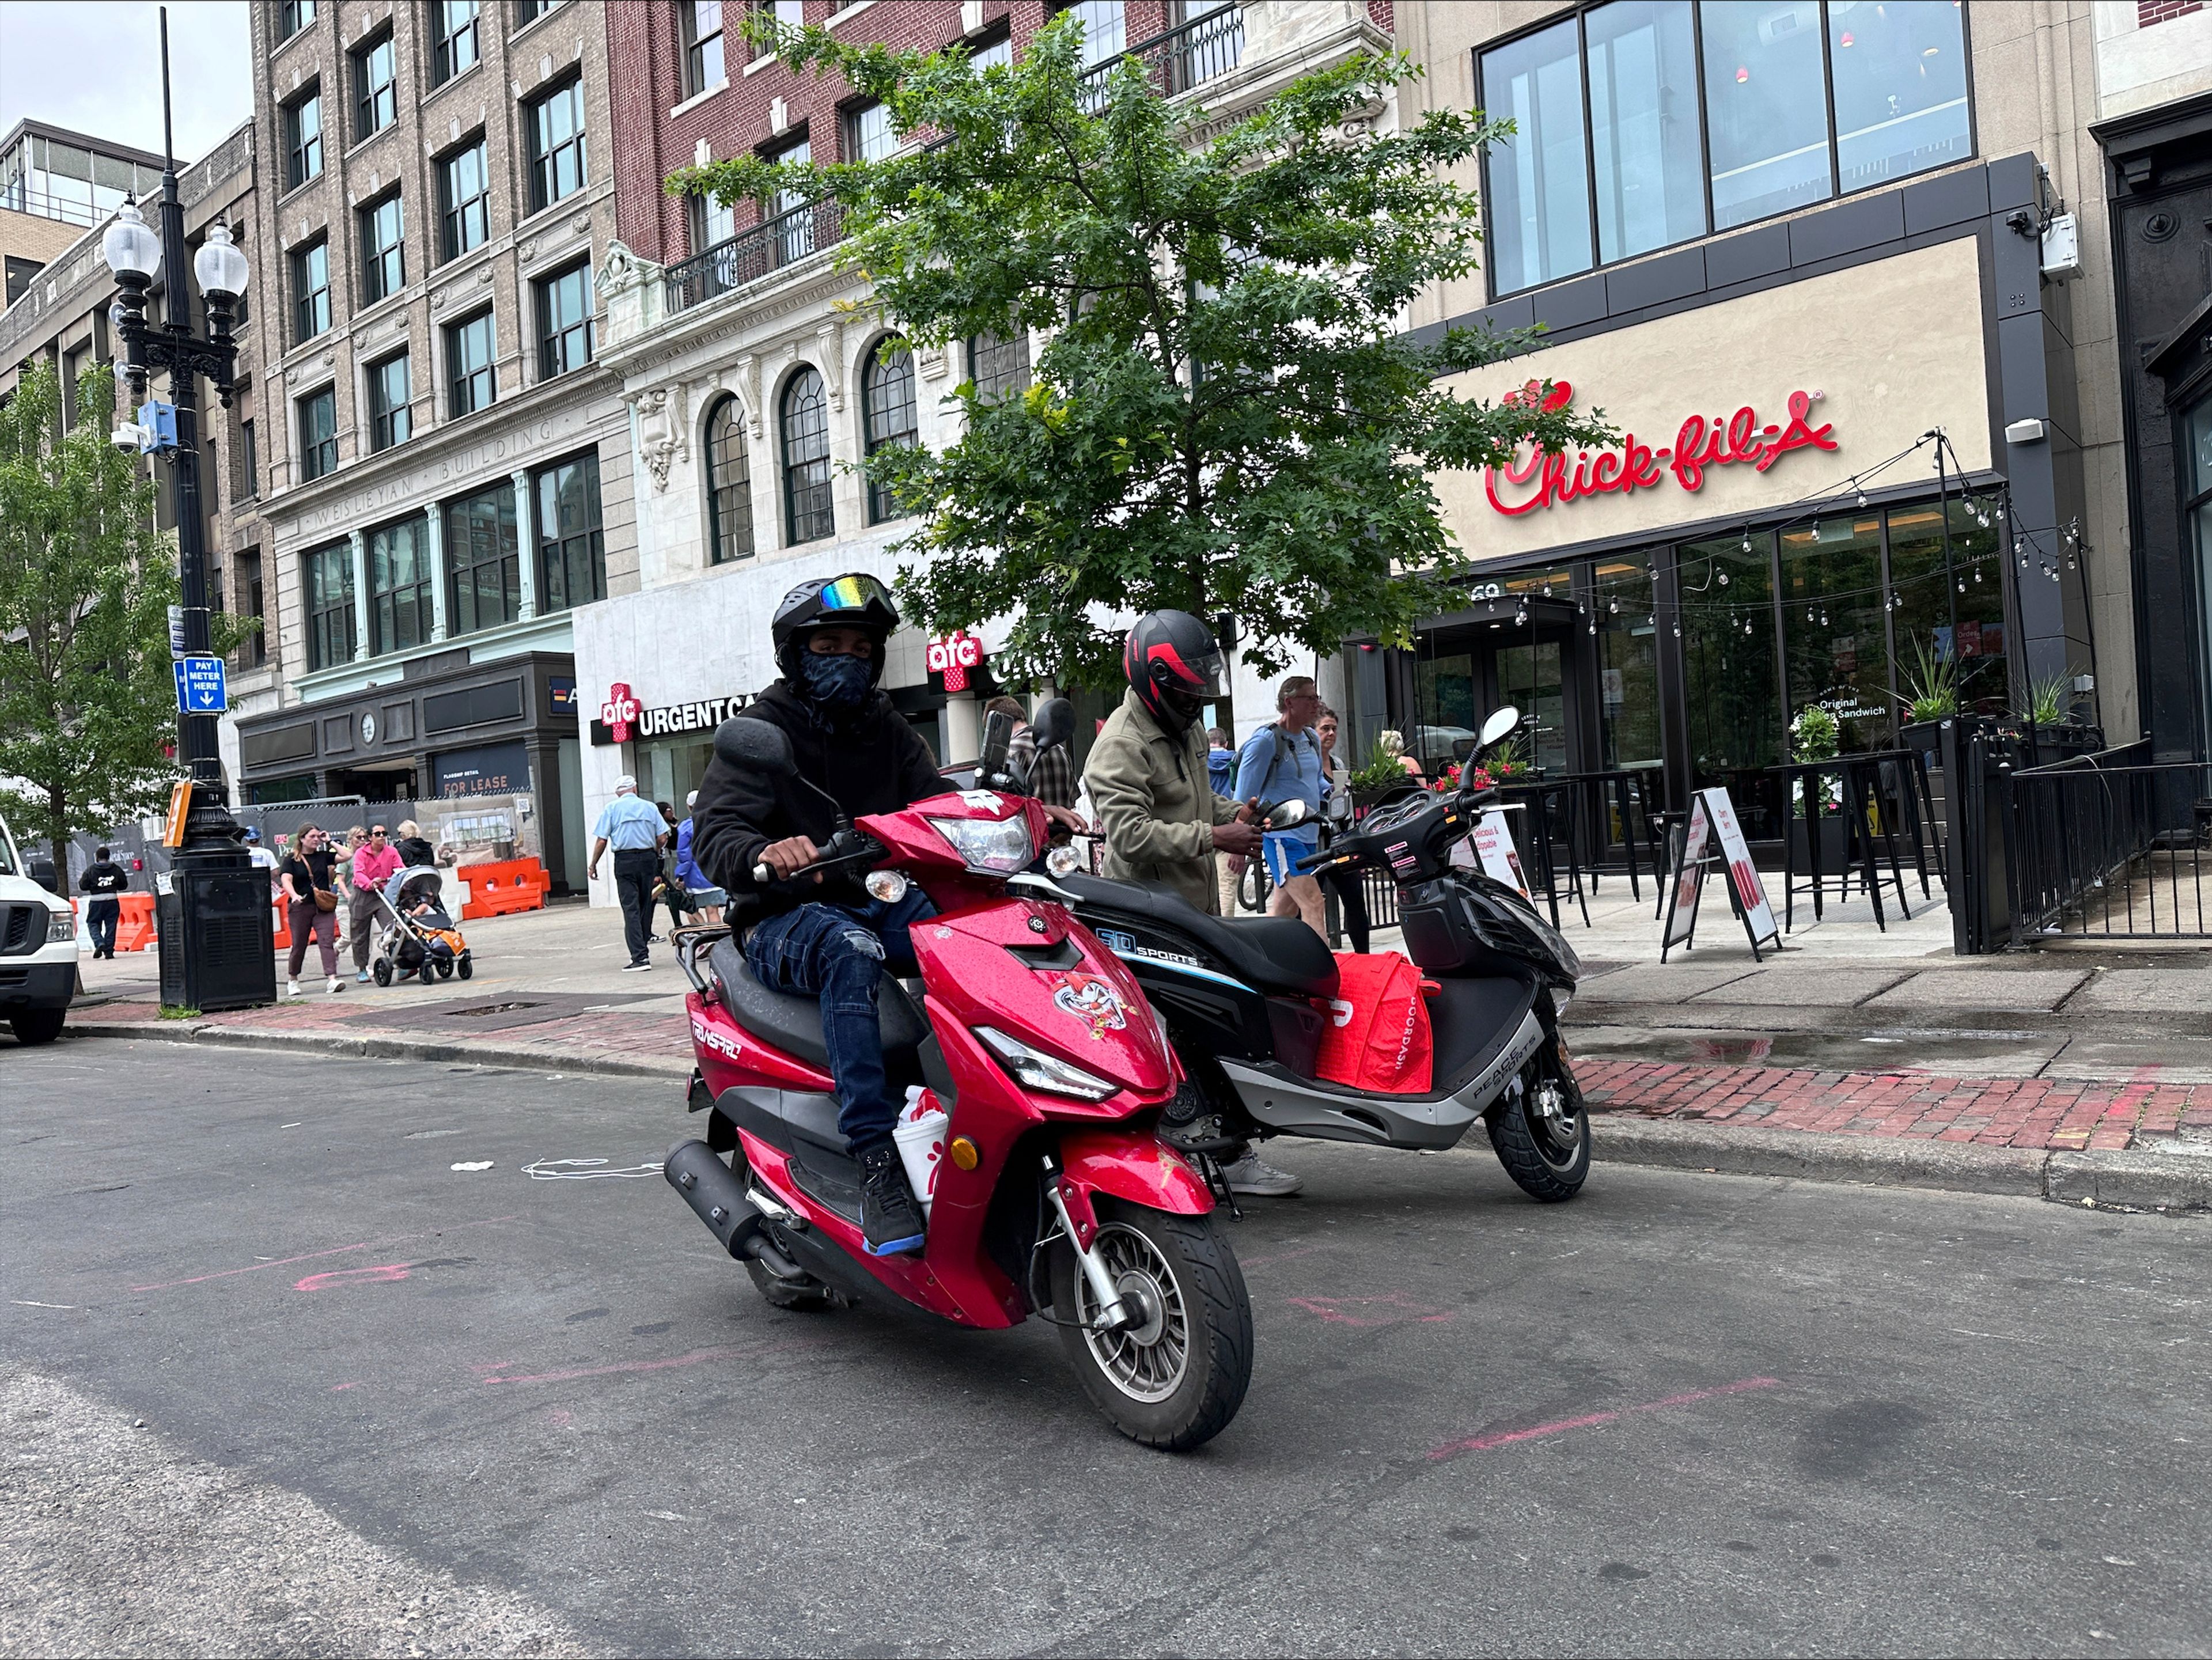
(1740, 407)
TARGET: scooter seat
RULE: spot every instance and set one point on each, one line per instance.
(793, 1025)
(1278, 954)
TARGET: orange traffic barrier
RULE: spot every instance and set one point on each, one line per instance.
(283, 927)
(134, 927)
(503, 886)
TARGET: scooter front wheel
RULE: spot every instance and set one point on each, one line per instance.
(1174, 1377)
(1541, 1135)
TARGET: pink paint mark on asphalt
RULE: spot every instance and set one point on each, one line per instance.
(560, 1420)
(698, 1357)
(337, 1389)
(335, 1250)
(383, 1273)
(1387, 1308)
(1485, 1442)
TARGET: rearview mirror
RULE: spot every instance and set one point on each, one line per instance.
(1284, 815)
(1054, 722)
(40, 867)
(756, 747)
(1501, 721)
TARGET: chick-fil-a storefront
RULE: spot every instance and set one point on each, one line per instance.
(1812, 501)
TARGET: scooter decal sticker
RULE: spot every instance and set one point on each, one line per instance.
(1092, 1000)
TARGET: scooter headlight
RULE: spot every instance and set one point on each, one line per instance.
(1002, 847)
(1039, 1071)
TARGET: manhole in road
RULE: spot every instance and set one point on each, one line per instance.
(483, 1010)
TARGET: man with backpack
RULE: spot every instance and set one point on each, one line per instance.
(104, 881)
(1282, 762)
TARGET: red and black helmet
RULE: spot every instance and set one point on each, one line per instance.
(1174, 666)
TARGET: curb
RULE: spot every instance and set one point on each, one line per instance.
(381, 1049)
(2173, 1183)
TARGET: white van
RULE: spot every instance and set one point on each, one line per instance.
(37, 951)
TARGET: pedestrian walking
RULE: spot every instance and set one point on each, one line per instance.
(1221, 773)
(375, 863)
(699, 895)
(103, 879)
(1281, 762)
(670, 890)
(312, 904)
(637, 833)
(1335, 819)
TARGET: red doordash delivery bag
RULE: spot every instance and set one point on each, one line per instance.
(1377, 1037)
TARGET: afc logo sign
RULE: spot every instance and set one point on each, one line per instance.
(953, 656)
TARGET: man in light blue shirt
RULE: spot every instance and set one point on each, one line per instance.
(1282, 763)
(637, 833)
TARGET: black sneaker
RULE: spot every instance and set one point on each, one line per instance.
(890, 1221)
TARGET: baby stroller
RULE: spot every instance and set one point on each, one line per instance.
(420, 938)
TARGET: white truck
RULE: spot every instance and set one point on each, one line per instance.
(37, 951)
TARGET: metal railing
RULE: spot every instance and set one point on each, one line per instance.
(1188, 55)
(753, 254)
(2109, 846)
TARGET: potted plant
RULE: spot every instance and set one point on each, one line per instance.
(1383, 772)
(2057, 731)
(1813, 737)
(1932, 689)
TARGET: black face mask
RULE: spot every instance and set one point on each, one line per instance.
(839, 681)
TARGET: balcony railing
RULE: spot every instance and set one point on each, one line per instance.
(753, 253)
(1187, 56)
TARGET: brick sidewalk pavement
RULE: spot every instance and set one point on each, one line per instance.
(2002, 1112)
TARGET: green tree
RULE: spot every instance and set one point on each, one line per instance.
(1228, 415)
(87, 700)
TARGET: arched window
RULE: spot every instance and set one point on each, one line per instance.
(729, 485)
(999, 367)
(887, 399)
(806, 514)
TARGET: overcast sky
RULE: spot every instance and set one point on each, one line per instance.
(95, 66)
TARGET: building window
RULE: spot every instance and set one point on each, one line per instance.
(399, 607)
(391, 418)
(557, 144)
(383, 249)
(19, 275)
(253, 651)
(1641, 123)
(471, 374)
(888, 408)
(572, 550)
(463, 201)
(303, 139)
(1105, 31)
(292, 17)
(729, 484)
(318, 434)
(997, 54)
(789, 14)
(712, 223)
(702, 45)
(456, 40)
(807, 516)
(795, 228)
(375, 87)
(311, 290)
(328, 582)
(999, 368)
(868, 135)
(564, 321)
(483, 556)
(245, 462)
(527, 12)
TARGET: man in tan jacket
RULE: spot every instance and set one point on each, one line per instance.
(1154, 799)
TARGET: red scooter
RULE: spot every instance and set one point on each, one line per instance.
(1054, 1193)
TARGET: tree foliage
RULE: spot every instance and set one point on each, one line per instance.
(87, 699)
(1228, 415)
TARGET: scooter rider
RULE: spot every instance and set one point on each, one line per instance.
(1162, 821)
(828, 937)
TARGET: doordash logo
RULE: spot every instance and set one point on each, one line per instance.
(1533, 479)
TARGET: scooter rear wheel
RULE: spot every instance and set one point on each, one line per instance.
(1541, 1135)
(1175, 1379)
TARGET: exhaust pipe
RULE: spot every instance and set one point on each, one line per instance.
(717, 1196)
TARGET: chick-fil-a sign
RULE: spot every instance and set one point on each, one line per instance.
(1701, 442)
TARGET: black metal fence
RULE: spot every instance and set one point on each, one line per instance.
(2109, 846)
(753, 254)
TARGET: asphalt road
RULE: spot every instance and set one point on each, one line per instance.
(275, 1376)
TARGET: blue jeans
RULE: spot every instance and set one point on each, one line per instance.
(838, 954)
(100, 917)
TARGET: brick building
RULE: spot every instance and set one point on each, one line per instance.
(759, 376)
(447, 464)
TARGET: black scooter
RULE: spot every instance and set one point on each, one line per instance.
(1246, 1000)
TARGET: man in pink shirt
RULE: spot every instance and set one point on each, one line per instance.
(373, 867)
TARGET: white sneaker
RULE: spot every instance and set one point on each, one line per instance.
(336, 985)
(1249, 1176)
(291, 989)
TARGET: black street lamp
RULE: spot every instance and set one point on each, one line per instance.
(216, 933)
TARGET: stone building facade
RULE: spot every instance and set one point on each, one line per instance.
(448, 465)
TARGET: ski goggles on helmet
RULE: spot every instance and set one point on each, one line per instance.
(851, 594)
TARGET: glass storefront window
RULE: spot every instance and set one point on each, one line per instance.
(1627, 664)
(1733, 699)
(1938, 622)
(1529, 678)
(1539, 178)
(1835, 627)
(1451, 701)
(1644, 126)
(1767, 108)
(1899, 70)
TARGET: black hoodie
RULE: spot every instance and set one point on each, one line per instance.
(868, 760)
